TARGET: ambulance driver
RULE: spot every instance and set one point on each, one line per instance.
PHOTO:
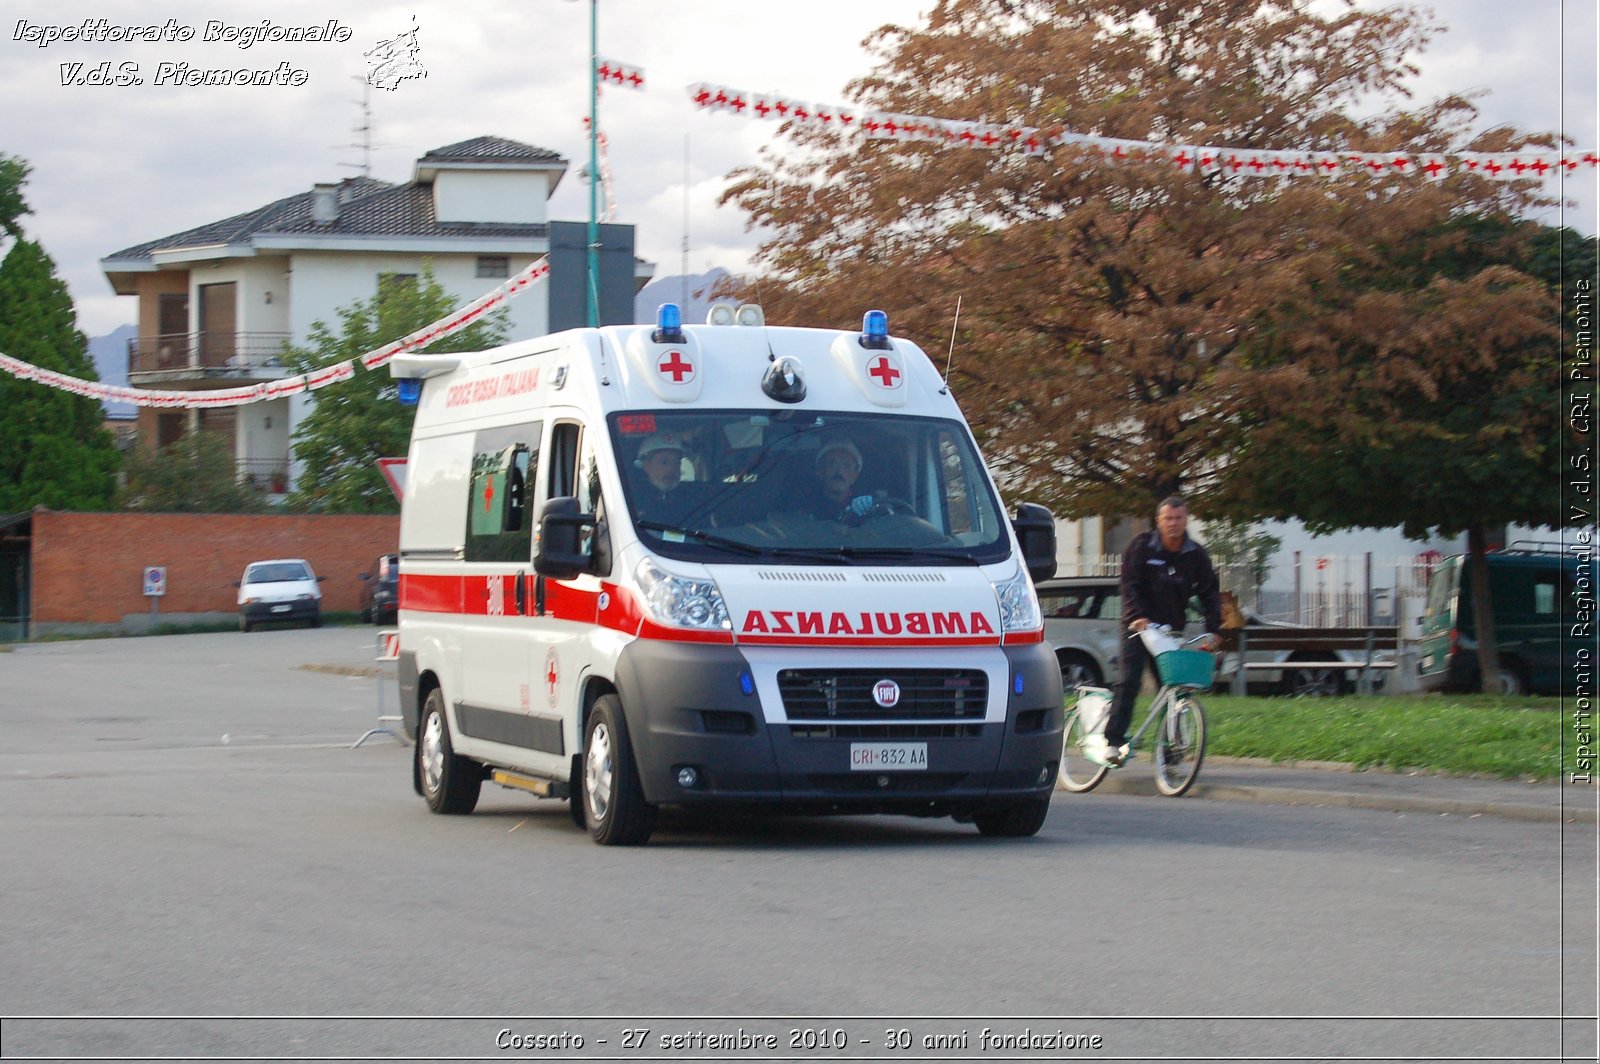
(838, 466)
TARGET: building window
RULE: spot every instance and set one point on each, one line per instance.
(494, 266)
(396, 284)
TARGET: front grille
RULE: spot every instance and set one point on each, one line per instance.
(891, 732)
(846, 694)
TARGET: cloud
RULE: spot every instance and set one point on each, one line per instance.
(118, 165)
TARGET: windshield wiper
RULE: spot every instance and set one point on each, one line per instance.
(908, 552)
(708, 538)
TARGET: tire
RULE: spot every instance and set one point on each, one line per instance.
(1313, 683)
(613, 802)
(1511, 680)
(1078, 774)
(1180, 746)
(450, 783)
(575, 800)
(316, 620)
(1078, 670)
(1012, 820)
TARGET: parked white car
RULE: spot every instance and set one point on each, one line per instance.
(1082, 621)
(281, 589)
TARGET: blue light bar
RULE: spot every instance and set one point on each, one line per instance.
(875, 329)
(410, 390)
(1016, 684)
(669, 324)
(747, 683)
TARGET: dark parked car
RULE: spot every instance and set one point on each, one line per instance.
(380, 591)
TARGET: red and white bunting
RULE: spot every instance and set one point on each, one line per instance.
(220, 397)
(1203, 159)
(622, 75)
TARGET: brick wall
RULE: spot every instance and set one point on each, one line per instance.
(89, 568)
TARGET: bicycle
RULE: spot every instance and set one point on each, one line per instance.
(1180, 738)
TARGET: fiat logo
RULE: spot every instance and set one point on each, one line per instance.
(886, 693)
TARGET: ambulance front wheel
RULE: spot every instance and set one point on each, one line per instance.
(613, 802)
(449, 783)
(1014, 820)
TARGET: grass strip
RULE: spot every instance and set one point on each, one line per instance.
(1492, 735)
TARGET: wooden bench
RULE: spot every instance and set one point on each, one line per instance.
(1316, 649)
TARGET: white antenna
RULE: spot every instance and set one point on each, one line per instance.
(685, 222)
(951, 357)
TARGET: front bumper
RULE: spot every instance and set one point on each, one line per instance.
(685, 706)
(300, 610)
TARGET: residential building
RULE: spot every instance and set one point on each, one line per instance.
(218, 302)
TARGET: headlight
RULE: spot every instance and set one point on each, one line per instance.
(681, 601)
(1019, 607)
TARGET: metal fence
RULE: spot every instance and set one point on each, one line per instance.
(1329, 590)
(206, 350)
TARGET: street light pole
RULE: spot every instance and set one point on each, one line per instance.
(593, 279)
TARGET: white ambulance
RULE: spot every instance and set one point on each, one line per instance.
(646, 566)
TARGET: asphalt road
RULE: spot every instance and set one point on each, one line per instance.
(193, 862)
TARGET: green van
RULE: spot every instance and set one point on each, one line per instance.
(1532, 592)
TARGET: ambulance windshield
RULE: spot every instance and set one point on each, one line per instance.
(819, 488)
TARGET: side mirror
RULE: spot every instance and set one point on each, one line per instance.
(559, 552)
(320, 579)
(1036, 534)
(236, 583)
(363, 576)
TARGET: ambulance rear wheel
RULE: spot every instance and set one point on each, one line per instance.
(450, 784)
(613, 802)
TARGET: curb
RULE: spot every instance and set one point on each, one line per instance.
(1143, 785)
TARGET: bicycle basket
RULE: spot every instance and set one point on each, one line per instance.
(1186, 668)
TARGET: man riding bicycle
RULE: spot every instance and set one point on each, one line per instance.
(1161, 571)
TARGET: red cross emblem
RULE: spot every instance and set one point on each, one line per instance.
(552, 676)
(488, 495)
(1182, 158)
(846, 117)
(884, 371)
(1434, 167)
(762, 107)
(675, 366)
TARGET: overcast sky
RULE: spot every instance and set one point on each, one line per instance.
(114, 166)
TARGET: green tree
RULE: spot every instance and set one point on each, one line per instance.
(54, 448)
(1452, 421)
(196, 474)
(13, 175)
(1106, 349)
(358, 421)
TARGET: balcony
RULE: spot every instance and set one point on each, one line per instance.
(267, 475)
(177, 358)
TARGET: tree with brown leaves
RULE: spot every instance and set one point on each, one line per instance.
(1127, 327)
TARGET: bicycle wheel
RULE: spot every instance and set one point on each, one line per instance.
(1078, 773)
(1180, 746)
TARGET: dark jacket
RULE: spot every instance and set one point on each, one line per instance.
(1157, 584)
